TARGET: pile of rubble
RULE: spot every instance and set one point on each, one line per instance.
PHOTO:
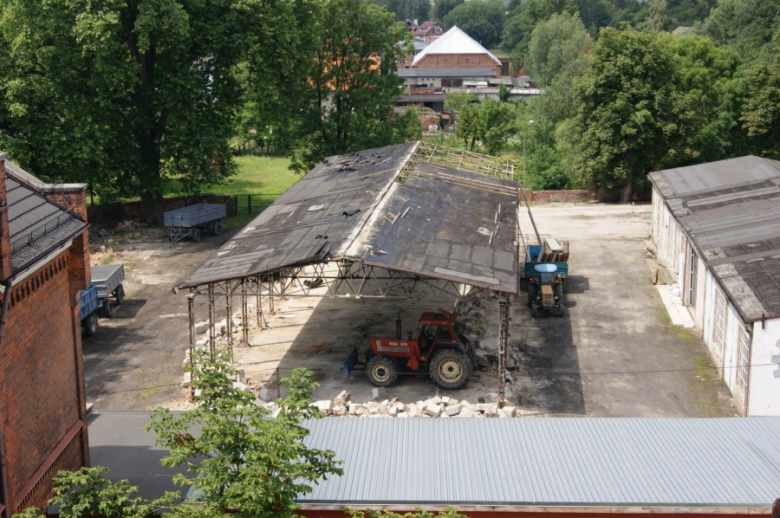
(443, 407)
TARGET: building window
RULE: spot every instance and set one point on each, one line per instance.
(692, 278)
(467, 60)
(744, 359)
(445, 60)
(719, 324)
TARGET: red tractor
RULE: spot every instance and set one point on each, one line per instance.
(439, 349)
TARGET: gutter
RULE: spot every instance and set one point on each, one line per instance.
(559, 509)
(6, 511)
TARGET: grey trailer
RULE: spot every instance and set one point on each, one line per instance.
(189, 221)
(108, 281)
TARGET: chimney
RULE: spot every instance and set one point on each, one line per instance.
(5, 237)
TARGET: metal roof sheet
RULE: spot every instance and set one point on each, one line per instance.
(551, 462)
(731, 211)
(456, 225)
(454, 41)
(36, 224)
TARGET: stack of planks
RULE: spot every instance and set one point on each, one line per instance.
(555, 251)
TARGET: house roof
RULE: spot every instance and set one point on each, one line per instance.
(37, 225)
(454, 41)
(453, 227)
(730, 209)
(545, 462)
(425, 26)
(445, 72)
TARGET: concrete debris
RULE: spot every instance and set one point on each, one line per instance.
(325, 406)
(433, 410)
(375, 394)
(265, 394)
(343, 398)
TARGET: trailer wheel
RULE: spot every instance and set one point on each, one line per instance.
(90, 324)
(108, 308)
(450, 369)
(382, 371)
(119, 293)
(218, 228)
(170, 235)
(196, 235)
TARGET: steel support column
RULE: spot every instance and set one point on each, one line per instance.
(503, 335)
(191, 311)
(229, 317)
(244, 312)
(212, 317)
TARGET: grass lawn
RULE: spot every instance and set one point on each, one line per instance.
(257, 175)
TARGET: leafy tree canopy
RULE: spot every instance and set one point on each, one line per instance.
(631, 113)
(748, 26)
(556, 44)
(352, 82)
(442, 8)
(483, 21)
(406, 9)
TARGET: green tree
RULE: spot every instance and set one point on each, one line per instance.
(483, 21)
(761, 111)
(407, 126)
(746, 25)
(442, 8)
(352, 82)
(555, 44)
(657, 19)
(496, 125)
(241, 460)
(630, 116)
(469, 125)
(406, 9)
(134, 93)
(526, 17)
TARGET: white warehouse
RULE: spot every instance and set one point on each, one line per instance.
(716, 227)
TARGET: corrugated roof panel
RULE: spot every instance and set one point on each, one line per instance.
(550, 462)
(725, 206)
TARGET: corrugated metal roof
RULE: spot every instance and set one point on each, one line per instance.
(454, 41)
(551, 462)
(452, 227)
(36, 224)
(421, 98)
(731, 211)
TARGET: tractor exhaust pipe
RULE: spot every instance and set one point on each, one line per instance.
(398, 327)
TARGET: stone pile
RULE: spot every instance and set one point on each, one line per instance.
(441, 407)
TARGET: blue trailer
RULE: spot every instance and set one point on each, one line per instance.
(105, 292)
(189, 221)
(87, 311)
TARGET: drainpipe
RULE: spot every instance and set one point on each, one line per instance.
(3, 474)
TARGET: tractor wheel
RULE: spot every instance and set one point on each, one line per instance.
(559, 291)
(450, 369)
(90, 324)
(531, 294)
(559, 311)
(119, 293)
(534, 311)
(382, 371)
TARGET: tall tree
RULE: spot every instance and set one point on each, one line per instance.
(406, 9)
(526, 17)
(746, 25)
(136, 92)
(483, 21)
(761, 111)
(469, 124)
(442, 8)
(556, 44)
(352, 82)
(496, 125)
(630, 116)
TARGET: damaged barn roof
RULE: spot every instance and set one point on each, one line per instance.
(731, 211)
(385, 207)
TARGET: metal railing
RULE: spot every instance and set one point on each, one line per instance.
(254, 203)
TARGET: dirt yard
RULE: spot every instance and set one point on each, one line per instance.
(614, 353)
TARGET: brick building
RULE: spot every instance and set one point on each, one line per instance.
(44, 264)
(429, 31)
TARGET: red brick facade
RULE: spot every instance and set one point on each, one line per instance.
(459, 61)
(42, 402)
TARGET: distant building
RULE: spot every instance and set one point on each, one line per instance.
(44, 265)
(682, 31)
(429, 31)
(456, 49)
(716, 227)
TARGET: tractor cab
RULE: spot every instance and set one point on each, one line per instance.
(437, 348)
(545, 290)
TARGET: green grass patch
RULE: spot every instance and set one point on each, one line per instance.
(705, 387)
(499, 53)
(238, 221)
(257, 175)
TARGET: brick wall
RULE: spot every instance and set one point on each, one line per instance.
(42, 375)
(559, 196)
(459, 61)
